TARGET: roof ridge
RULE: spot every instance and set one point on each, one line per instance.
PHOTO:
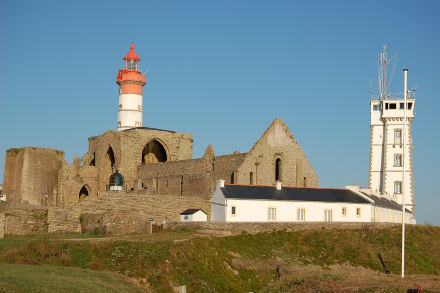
(297, 187)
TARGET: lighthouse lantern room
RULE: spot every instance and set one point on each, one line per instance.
(130, 81)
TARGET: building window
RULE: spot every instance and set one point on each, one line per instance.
(300, 215)
(271, 214)
(278, 169)
(398, 187)
(398, 160)
(392, 106)
(402, 106)
(233, 211)
(251, 178)
(186, 217)
(409, 106)
(305, 181)
(344, 211)
(232, 177)
(386, 106)
(398, 136)
(328, 217)
(358, 212)
(375, 107)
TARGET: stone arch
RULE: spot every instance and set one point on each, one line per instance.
(278, 169)
(84, 192)
(154, 152)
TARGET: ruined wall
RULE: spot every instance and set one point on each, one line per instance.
(25, 221)
(121, 212)
(276, 143)
(127, 147)
(71, 180)
(187, 177)
(31, 175)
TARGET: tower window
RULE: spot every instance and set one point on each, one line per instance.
(392, 106)
(232, 177)
(402, 106)
(278, 169)
(409, 106)
(251, 178)
(398, 187)
(398, 136)
(398, 160)
(386, 106)
(375, 107)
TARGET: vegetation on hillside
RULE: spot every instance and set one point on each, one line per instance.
(237, 263)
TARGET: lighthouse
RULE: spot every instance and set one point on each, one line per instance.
(130, 81)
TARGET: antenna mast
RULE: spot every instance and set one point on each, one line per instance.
(382, 75)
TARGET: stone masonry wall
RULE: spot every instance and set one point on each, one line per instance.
(31, 174)
(127, 147)
(121, 212)
(71, 180)
(25, 221)
(187, 177)
(277, 143)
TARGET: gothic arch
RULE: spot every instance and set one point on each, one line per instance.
(154, 152)
(84, 192)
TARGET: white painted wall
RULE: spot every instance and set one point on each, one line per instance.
(218, 206)
(129, 111)
(286, 211)
(198, 216)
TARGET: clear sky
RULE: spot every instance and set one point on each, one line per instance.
(223, 70)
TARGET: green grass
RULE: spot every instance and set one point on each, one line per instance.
(27, 278)
(207, 264)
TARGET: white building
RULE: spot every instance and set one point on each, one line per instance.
(256, 203)
(193, 215)
(389, 136)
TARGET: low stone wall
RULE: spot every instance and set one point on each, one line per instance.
(121, 212)
(25, 221)
(252, 228)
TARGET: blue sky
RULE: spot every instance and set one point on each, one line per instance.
(223, 70)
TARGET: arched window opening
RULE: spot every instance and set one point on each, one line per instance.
(92, 162)
(233, 178)
(251, 178)
(108, 165)
(83, 193)
(278, 169)
(153, 152)
(110, 157)
(305, 181)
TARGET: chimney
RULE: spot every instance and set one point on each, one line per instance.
(220, 183)
(278, 185)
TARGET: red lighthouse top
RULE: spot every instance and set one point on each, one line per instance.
(132, 54)
(131, 73)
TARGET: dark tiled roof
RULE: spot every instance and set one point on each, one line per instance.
(292, 193)
(191, 211)
(385, 203)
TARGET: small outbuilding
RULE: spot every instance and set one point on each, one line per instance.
(193, 215)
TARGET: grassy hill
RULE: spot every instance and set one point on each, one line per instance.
(322, 260)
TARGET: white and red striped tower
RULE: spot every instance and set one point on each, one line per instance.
(130, 81)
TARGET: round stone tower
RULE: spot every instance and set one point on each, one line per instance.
(130, 81)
